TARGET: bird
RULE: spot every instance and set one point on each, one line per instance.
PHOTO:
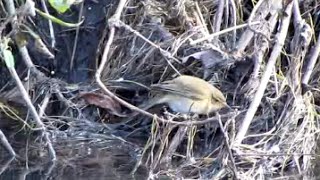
(187, 94)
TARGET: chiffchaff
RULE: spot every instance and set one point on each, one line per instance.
(187, 94)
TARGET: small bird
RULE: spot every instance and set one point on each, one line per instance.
(187, 94)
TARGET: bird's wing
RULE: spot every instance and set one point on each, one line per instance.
(191, 88)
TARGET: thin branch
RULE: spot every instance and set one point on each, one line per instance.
(44, 105)
(26, 58)
(312, 62)
(233, 22)
(247, 36)
(164, 52)
(33, 110)
(233, 163)
(218, 17)
(75, 43)
(174, 143)
(296, 12)
(263, 46)
(4, 141)
(5, 165)
(253, 12)
(210, 36)
(51, 30)
(280, 38)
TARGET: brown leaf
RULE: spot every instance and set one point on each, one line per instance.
(102, 101)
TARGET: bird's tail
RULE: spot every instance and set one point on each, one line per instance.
(149, 104)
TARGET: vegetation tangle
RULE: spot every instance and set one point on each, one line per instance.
(152, 89)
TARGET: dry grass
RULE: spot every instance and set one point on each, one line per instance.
(261, 54)
(283, 127)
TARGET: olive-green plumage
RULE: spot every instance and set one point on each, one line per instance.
(187, 94)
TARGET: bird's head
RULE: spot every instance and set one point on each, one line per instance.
(218, 101)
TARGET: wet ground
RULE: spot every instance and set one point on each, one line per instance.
(79, 156)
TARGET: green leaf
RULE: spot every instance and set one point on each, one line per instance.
(8, 58)
(58, 21)
(61, 5)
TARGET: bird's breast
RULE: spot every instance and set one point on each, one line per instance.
(187, 105)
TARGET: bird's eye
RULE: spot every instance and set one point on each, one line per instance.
(216, 99)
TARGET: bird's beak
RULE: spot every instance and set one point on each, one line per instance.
(226, 105)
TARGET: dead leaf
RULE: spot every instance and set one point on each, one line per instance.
(210, 58)
(103, 101)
